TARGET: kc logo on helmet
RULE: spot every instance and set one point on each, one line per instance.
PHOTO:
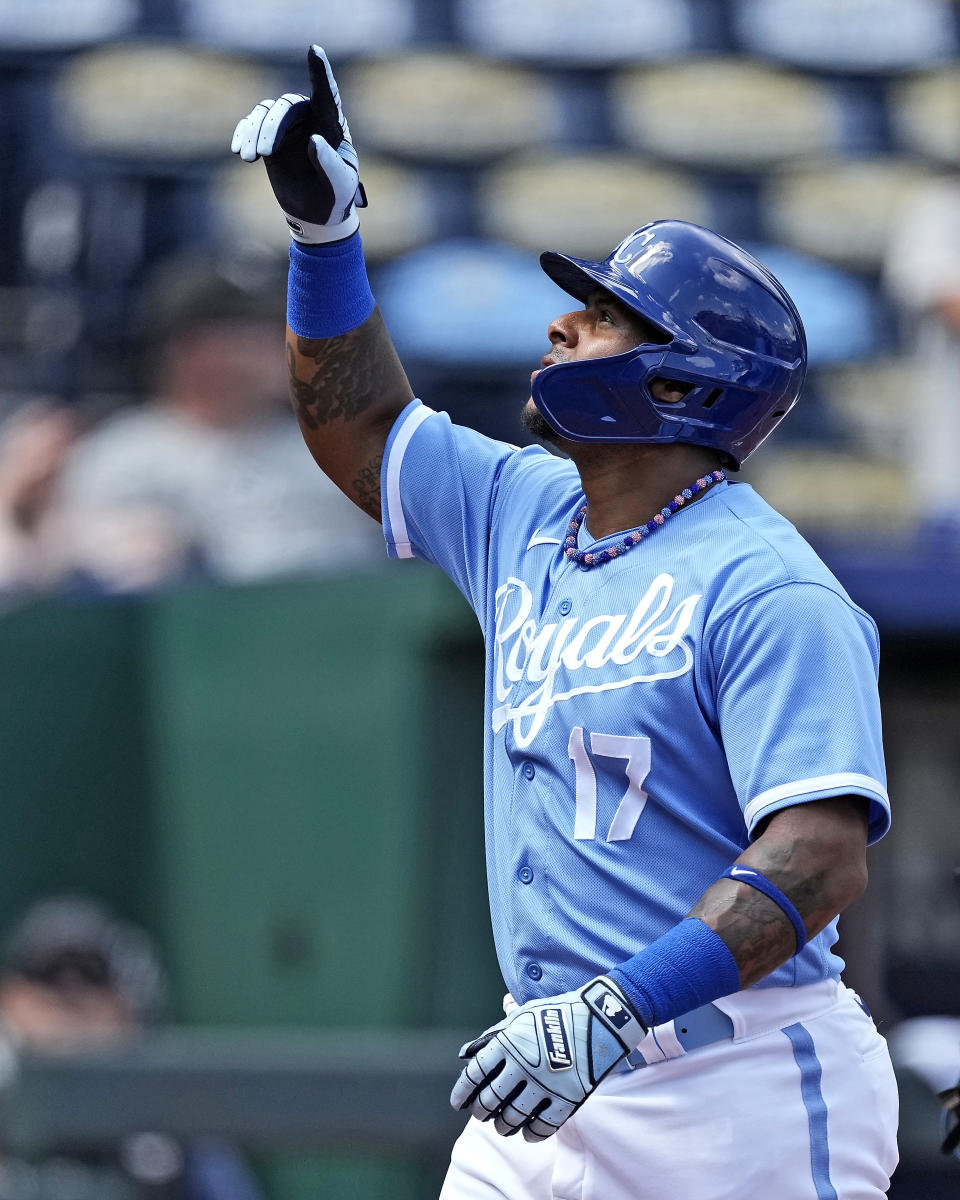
(557, 1041)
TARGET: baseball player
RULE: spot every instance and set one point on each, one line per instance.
(683, 762)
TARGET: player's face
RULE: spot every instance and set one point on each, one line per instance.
(604, 326)
(601, 328)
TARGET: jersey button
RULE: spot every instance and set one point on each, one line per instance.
(534, 970)
(525, 875)
(564, 607)
(529, 770)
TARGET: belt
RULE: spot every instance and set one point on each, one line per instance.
(701, 1027)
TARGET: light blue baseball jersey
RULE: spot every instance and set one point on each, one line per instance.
(642, 717)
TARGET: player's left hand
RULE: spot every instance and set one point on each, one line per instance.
(534, 1069)
(312, 166)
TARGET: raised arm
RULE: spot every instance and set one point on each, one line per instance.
(346, 382)
(347, 391)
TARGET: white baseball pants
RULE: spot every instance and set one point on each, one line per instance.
(801, 1104)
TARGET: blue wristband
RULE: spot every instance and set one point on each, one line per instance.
(753, 877)
(328, 293)
(687, 967)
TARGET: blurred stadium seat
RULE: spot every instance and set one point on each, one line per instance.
(469, 301)
(569, 32)
(829, 491)
(854, 35)
(841, 210)
(154, 101)
(873, 399)
(925, 114)
(726, 113)
(34, 25)
(487, 129)
(584, 203)
(838, 309)
(401, 214)
(448, 106)
(287, 27)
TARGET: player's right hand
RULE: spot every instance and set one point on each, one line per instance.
(531, 1072)
(310, 160)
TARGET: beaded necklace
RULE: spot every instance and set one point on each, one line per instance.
(586, 560)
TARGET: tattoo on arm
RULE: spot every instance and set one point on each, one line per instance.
(756, 931)
(816, 855)
(347, 374)
(366, 488)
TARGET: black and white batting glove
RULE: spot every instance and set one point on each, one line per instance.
(310, 160)
(534, 1069)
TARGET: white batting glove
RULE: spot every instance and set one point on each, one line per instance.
(310, 160)
(534, 1069)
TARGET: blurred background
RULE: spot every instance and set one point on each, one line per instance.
(221, 706)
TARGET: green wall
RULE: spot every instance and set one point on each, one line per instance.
(284, 784)
(75, 776)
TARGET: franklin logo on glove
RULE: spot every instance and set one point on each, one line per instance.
(558, 1044)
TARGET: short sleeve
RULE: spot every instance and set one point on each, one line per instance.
(797, 704)
(439, 482)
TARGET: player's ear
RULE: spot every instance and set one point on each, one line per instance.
(669, 391)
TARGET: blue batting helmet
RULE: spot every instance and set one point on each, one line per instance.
(728, 328)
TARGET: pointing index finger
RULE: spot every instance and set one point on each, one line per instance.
(325, 111)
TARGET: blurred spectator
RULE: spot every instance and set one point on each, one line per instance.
(209, 477)
(34, 442)
(71, 972)
(923, 277)
(930, 1047)
(73, 975)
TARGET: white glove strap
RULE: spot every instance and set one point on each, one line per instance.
(608, 1003)
(315, 235)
